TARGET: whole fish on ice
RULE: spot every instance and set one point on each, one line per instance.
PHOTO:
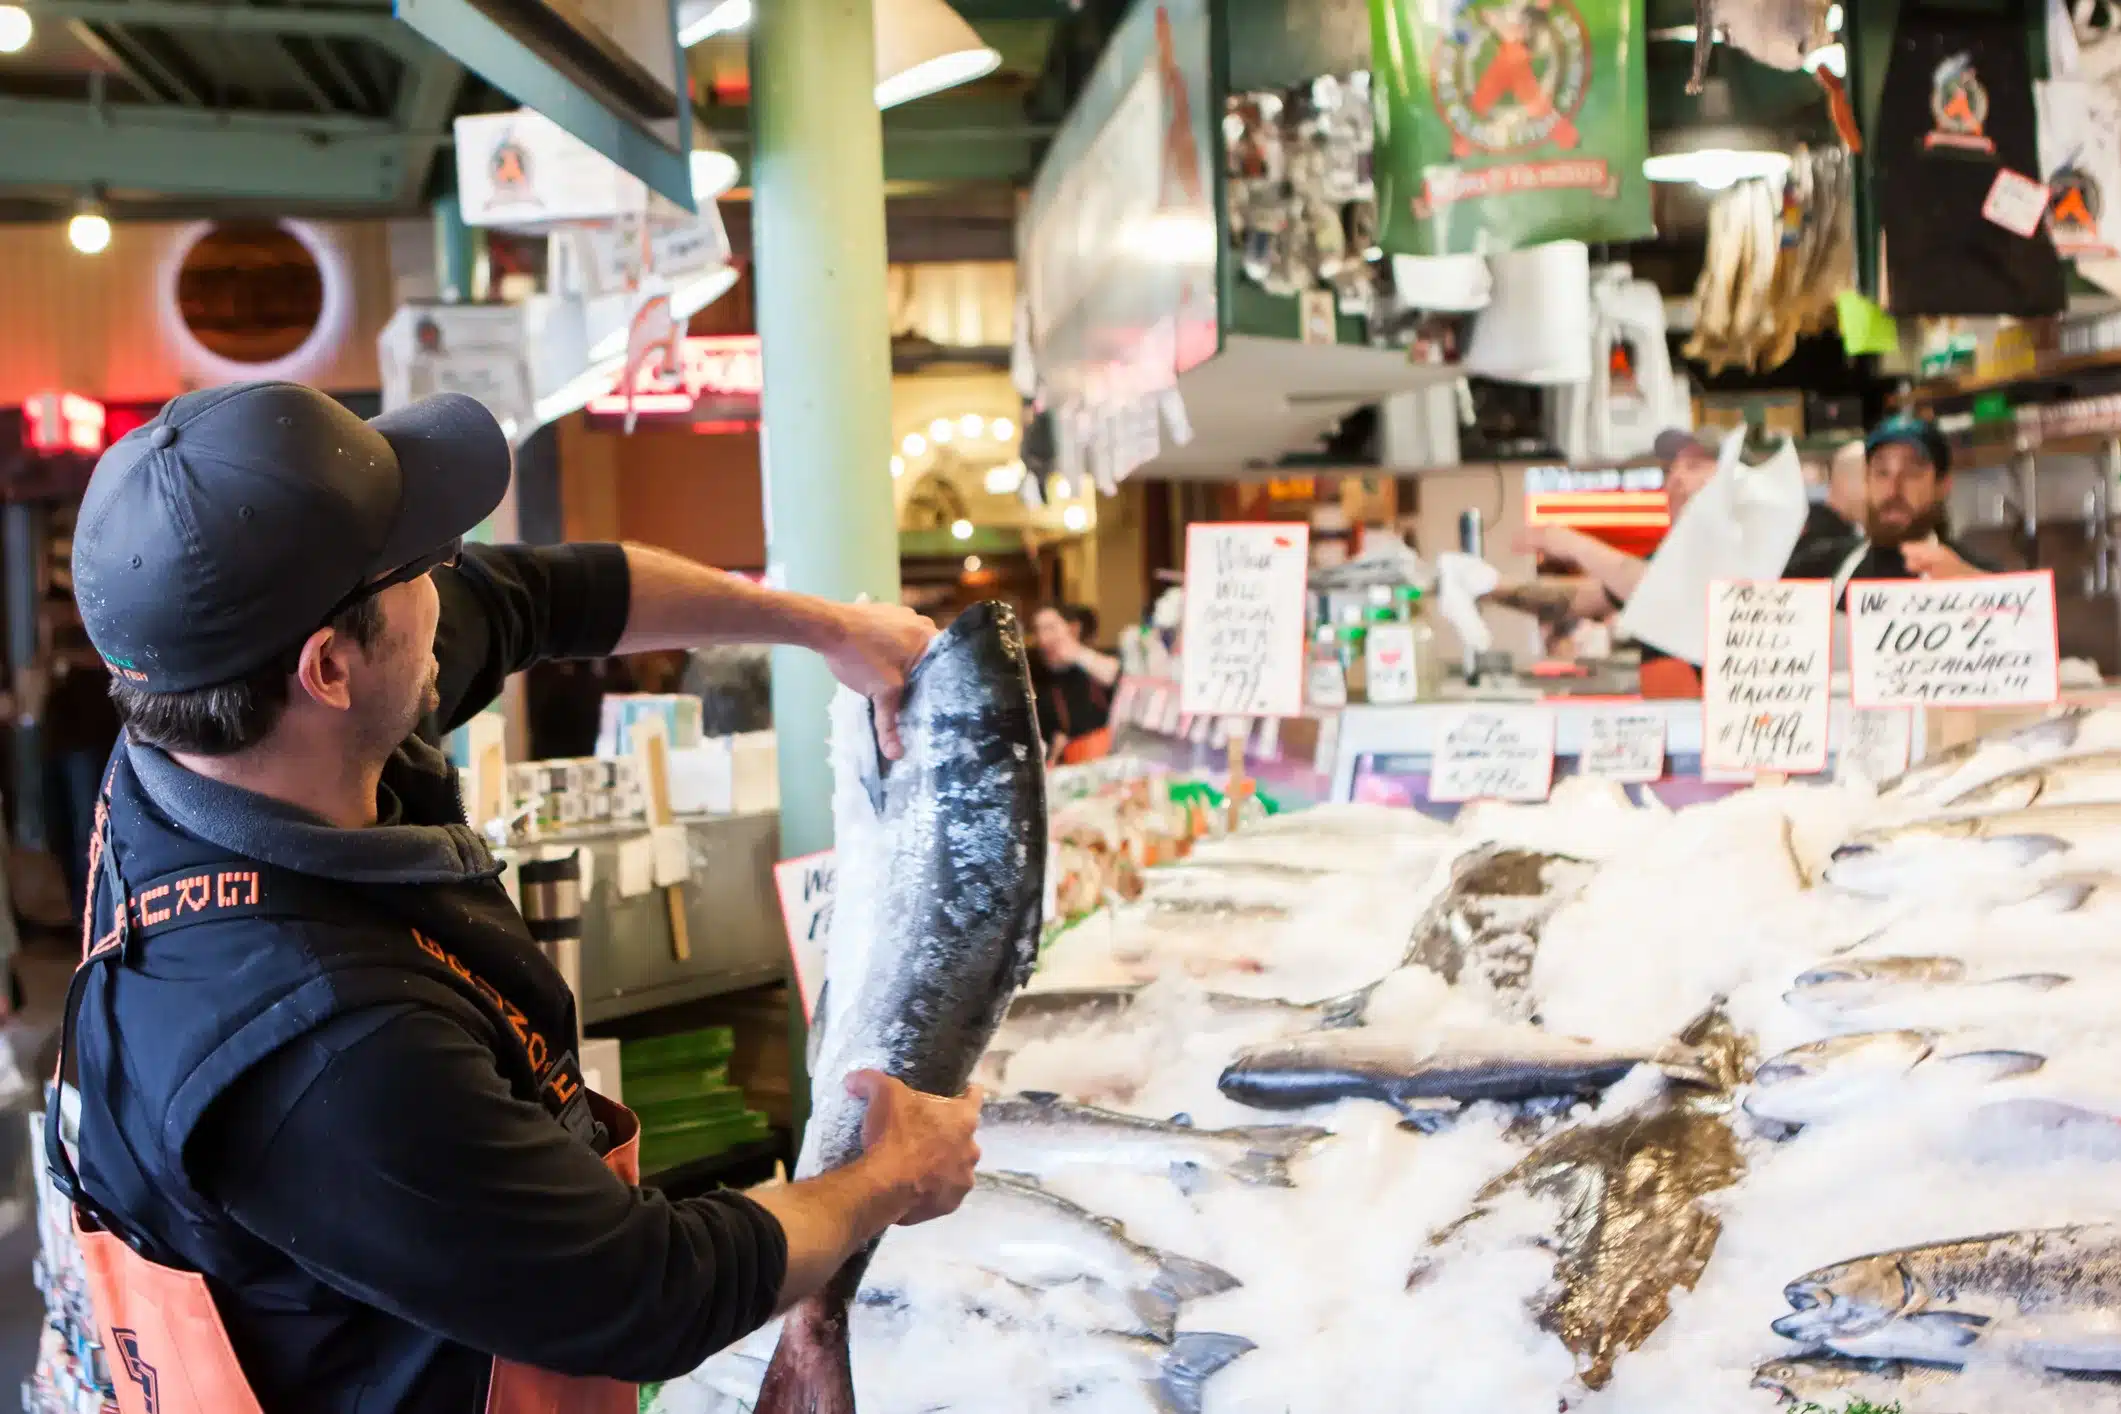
(1485, 925)
(1977, 857)
(1633, 1221)
(1853, 986)
(2090, 779)
(1426, 1076)
(1842, 1074)
(2050, 1297)
(1038, 1134)
(1835, 1381)
(1937, 780)
(1019, 1231)
(941, 860)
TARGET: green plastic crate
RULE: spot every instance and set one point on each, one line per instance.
(686, 1050)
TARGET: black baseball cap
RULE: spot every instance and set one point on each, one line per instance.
(240, 519)
(1674, 441)
(1917, 432)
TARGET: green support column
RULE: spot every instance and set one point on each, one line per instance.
(456, 252)
(818, 202)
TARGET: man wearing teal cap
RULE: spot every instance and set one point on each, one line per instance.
(1907, 491)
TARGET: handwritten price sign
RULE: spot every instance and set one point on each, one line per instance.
(1623, 744)
(805, 886)
(1243, 647)
(1493, 753)
(1880, 742)
(1764, 676)
(1982, 642)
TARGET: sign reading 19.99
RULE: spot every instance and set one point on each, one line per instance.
(1986, 641)
(1242, 649)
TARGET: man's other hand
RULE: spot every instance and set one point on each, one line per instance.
(1934, 560)
(875, 646)
(922, 1144)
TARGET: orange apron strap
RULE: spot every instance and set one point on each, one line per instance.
(524, 1389)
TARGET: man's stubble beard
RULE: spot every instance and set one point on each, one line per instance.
(1922, 527)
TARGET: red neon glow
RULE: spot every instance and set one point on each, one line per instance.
(726, 364)
(63, 422)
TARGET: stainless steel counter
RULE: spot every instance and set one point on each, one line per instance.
(732, 917)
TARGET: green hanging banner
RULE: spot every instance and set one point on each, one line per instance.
(1509, 123)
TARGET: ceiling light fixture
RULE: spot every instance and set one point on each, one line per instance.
(941, 431)
(1004, 479)
(972, 425)
(914, 444)
(1076, 518)
(704, 19)
(89, 230)
(16, 27)
(1715, 168)
(898, 467)
(1002, 428)
(713, 173)
(923, 47)
(961, 529)
(972, 563)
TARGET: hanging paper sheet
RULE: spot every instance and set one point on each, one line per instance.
(1508, 123)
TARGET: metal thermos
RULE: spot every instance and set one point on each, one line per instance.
(1471, 542)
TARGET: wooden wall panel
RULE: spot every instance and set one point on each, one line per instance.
(92, 324)
(697, 495)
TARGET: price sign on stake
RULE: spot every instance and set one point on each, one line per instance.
(1493, 753)
(805, 886)
(1623, 744)
(1881, 739)
(1243, 648)
(1987, 641)
(1764, 678)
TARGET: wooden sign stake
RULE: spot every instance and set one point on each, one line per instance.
(654, 757)
(1234, 747)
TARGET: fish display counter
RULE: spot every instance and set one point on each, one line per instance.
(1804, 1095)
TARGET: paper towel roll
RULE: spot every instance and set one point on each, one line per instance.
(1537, 327)
(1442, 282)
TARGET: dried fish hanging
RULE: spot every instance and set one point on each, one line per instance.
(1778, 254)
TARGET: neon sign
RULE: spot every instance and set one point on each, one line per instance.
(719, 372)
(63, 422)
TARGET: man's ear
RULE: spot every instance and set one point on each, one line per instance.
(323, 672)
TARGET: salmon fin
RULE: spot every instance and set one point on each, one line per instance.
(1194, 1358)
(1339, 1013)
(1181, 1279)
(1265, 1163)
(1157, 1312)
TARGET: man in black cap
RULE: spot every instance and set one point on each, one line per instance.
(1907, 492)
(318, 1058)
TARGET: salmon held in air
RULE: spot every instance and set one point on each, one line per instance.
(941, 861)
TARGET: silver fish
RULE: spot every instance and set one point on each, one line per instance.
(2093, 778)
(1817, 1081)
(2038, 741)
(941, 862)
(1821, 1380)
(1992, 851)
(1172, 1371)
(1851, 985)
(1426, 1077)
(1020, 1232)
(2050, 1297)
(1035, 1134)
(1062, 1007)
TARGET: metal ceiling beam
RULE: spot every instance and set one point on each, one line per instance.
(140, 57)
(376, 25)
(427, 96)
(304, 79)
(91, 39)
(357, 89)
(180, 153)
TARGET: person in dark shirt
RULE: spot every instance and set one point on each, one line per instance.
(329, 1134)
(1074, 685)
(78, 726)
(1907, 492)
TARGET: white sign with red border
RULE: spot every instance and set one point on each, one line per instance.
(1764, 675)
(805, 885)
(1623, 744)
(1984, 641)
(1493, 753)
(1243, 645)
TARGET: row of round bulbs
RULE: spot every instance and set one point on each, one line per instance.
(943, 431)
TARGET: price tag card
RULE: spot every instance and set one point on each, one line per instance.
(2015, 202)
(1388, 660)
(1623, 744)
(1987, 641)
(1243, 635)
(1881, 740)
(1764, 679)
(1493, 753)
(805, 886)
(1269, 743)
(1325, 685)
(1123, 698)
(1152, 715)
(1172, 723)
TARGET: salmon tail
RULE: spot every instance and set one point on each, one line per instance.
(811, 1371)
(1181, 1279)
(1194, 1357)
